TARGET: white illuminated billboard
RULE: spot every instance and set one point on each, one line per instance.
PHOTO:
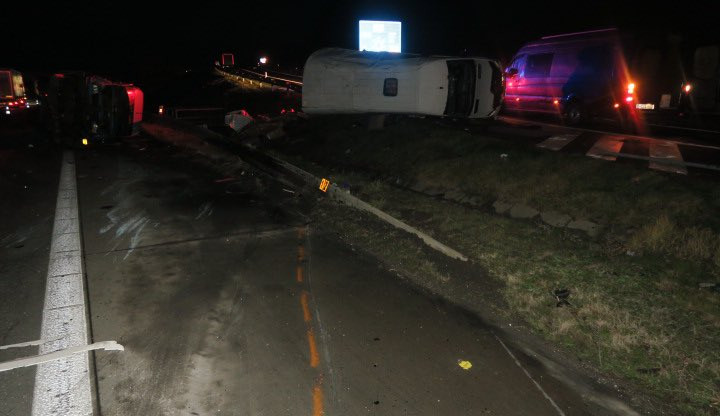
(380, 36)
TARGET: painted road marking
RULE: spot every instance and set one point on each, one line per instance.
(314, 356)
(62, 386)
(664, 150)
(627, 136)
(557, 142)
(317, 391)
(547, 397)
(605, 148)
(318, 408)
(307, 317)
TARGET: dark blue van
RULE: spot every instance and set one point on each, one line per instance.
(626, 77)
(576, 75)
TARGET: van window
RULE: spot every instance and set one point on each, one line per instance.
(518, 63)
(538, 65)
(390, 87)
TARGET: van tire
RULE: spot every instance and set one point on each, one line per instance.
(575, 114)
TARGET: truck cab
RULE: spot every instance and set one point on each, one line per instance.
(12, 92)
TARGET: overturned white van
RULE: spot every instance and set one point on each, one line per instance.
(342, 81)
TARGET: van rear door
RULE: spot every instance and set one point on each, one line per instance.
(461, 88)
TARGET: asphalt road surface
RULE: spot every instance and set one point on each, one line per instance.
(229, 302)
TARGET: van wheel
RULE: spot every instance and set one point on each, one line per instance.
(575, 114)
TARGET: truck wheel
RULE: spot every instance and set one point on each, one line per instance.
(575, 114)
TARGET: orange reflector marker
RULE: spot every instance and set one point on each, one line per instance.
(616, 105)
(324, 184)
(84, 141)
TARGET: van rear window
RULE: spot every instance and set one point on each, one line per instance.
(538, 65)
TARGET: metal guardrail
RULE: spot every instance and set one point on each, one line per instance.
(267, 77)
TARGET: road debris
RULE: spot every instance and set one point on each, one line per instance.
(223, 180)
(465, 365)
(561, 295)
(710, 286)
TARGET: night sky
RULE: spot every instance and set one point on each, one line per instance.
(131, 40)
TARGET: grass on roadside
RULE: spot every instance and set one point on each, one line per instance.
(640, 317)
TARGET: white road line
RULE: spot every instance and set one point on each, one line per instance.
(557, 142)
(62, 386)
(605, 146)
(627, 136)
(549, 399)
(664, 150)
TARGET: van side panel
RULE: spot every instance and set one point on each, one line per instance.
(368, 93)
(338, 81)
(325, 89)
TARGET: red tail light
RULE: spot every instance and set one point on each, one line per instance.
(631, 88)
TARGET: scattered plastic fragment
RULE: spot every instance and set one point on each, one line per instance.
(710, 286)
(223, 180)
(561, 296)
(465, 365)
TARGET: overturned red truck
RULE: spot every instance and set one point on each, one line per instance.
(85, 106)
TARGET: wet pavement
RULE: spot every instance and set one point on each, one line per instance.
(228, 301)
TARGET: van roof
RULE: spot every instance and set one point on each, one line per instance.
(581, 34)
(571, 40)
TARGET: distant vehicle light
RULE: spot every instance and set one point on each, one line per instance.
(687, 88)
(263, 60)
(628, 99)
(517, 99)
(84, 141)
(631, 88)
(161, 110)
(556, 102)
(616, 105)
